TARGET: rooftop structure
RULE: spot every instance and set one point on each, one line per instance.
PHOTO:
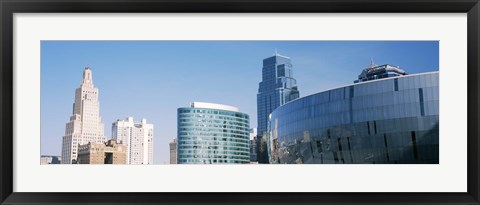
(374, 72)
(214, 106)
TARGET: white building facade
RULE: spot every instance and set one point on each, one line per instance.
(137, 137)
(85, 124)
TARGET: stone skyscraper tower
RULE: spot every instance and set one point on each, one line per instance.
(277, 88)
(85, 124)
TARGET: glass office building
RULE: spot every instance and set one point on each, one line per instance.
(277, 88)
(383, 121)
(212, 134)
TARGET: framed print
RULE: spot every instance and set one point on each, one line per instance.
(239, 102)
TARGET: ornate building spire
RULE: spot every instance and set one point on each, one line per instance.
(87, 76)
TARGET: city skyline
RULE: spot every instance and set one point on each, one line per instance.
(156, 78)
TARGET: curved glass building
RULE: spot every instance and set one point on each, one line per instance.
(382, 121)
(212, 134)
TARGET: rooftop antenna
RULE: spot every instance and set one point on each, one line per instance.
(276, 52)
(372, 64)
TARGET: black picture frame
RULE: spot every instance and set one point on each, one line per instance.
(10, 7)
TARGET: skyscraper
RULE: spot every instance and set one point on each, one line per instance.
(137, 137)
(277, 88)
(85, 124)
(173, 151)
(211, 133)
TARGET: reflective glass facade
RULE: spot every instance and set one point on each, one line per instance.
(392, 120)
(277, 88)
(212, 136)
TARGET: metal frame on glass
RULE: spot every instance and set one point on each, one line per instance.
(10, 7)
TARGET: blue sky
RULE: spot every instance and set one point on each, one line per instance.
(151, 79)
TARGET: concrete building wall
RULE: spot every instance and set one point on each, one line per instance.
(102, 153)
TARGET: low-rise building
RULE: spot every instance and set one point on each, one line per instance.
(173, 151)
(253, 145)
(110, 152)
(50, 159)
